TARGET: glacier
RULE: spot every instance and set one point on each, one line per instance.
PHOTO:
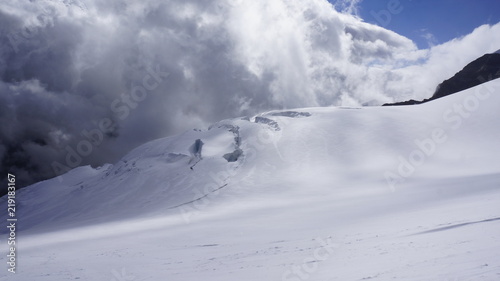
(370, 193)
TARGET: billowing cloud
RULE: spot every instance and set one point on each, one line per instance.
(83, 83)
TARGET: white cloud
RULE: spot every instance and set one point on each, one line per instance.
(348, 6)
(444, 60)
(429, 37)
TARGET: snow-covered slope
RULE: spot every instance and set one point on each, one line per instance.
(377, 193)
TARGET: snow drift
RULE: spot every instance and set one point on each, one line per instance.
(315, 193)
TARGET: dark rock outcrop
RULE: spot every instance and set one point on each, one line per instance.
(484, 69)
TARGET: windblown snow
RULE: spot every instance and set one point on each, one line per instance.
(373, 193)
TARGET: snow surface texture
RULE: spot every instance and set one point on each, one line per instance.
(394, 193)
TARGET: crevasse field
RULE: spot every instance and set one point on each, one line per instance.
(373, 193)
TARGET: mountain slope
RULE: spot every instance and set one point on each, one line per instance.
(317, 193)
(481, 70)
